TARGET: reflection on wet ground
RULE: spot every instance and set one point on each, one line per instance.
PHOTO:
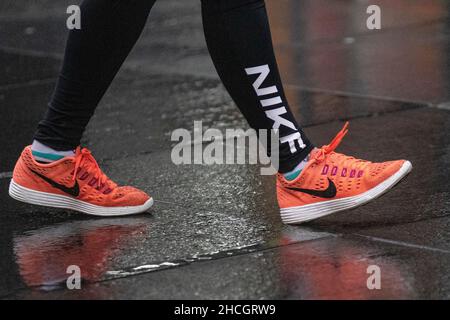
(44, 255)
(215, 231)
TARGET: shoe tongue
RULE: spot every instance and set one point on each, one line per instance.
(88, 165)
(314, 152)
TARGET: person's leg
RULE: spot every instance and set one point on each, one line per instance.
(93, 56)
(72, 179)
(238, 37)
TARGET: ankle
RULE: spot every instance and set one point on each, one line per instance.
(294, 173)
(46, 154)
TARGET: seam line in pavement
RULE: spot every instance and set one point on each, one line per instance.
(357, 95)
(31, 53)
(444, 105)
(359, 35)
(26, 84)
(402, 243)
(370, 115)
(225, 256)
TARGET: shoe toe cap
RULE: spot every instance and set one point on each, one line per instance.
(130, 196)
(382, 171)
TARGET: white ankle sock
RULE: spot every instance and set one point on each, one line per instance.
(43, 153)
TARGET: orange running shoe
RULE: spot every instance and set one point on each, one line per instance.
(332, 182)
(75, 183)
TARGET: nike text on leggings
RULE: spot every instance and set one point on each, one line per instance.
(238, 37)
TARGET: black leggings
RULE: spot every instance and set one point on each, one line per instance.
(239, 41)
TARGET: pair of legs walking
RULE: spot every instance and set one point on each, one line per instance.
(238, 37)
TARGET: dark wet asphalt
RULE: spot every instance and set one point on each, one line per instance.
(214, 231)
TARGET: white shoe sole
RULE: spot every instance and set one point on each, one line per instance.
(30, 196)
(296, 215)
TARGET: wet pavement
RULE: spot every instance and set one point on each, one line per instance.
(214, 231)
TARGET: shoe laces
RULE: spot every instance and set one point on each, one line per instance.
(328, 149)
(85, 160)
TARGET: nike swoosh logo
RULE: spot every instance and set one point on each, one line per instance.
(328, 193)
(74, 191)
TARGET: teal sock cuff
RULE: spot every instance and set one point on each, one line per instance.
(291, 176)
(49, 156)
